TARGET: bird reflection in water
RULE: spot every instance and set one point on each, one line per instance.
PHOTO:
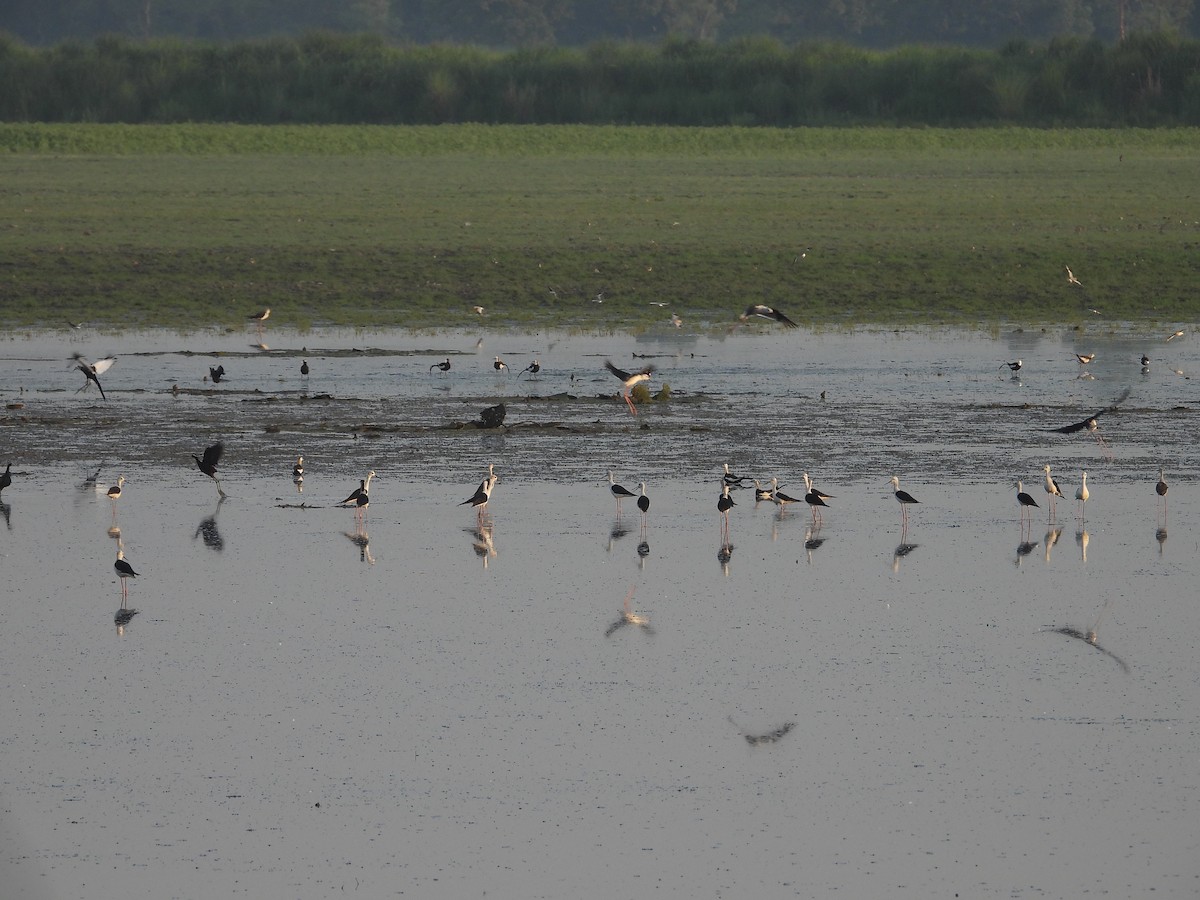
(629, 617)
(483, 540)
(207, 529)
(362, 540)
(1092, 636)
(123, 616)
(619, 530)
(1024, 549)
(1160, 535)
(766, 737)
(724, 555)
(812, 541)
(902, 550)
(1051, 538)
(1082, 538)
(643, 551)
(6, 511)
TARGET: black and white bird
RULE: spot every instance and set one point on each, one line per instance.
(443, 366)
(483, 493)
(114, 492)
(6, 478)
(724, 504)
(618, 491)
(779, 497)
(1082, 494)
(533, 368)
(298, 469)
(1160, 488)
(360, 499)
(1014, 366)
(1025, 501)
(629, 380)
(762, 311)
(761, 493)
(1085, 358)
(1091, 424)
(904, 498)
(643, 501)
(91, 370)
(500, 365)
(732, 480)
(1051, 487)
(209, 462)
(304, 369)
(815, 498)
(124, 570)
(261, 316)
(1174, 335)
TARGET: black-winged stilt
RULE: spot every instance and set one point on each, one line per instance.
(483, 493)
(732, 480)
(1025, 502)
(1085, 358)
(124, 570)
(208, 463)
(1082, 494)
(443, 366)
(298, 469)
(500, 365)
(1014, 366)
(304, 369)
(724, 504)
(763, 311)
(904, 498)
(1051, 487)
(6, 478)
(618, 491)
(91, 370)
(533, 368)
(629, 380)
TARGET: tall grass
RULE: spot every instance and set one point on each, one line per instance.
(1151, 80)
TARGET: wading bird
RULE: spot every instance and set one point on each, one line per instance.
(732, 480)
(500, 365)
(815, 499)
(298, 469)
(1172, 337)
(643, 501)
(904, 498)
(1014, 366)
(533, 368)
(1082, 494)
(124, 570)
(1025, 502)
(1085, 358)
(619, 491)
(763, 311)
(90, 370)
(761, 493)
(442, 366)
(304, 370)
(208, 463)
(1051, 487)
(724, 504)
(629, 380)
(1160, 488)
(483, 493)
(261, 316)
(360, 499)
(114, 492)
(779, 497)
(6, 478)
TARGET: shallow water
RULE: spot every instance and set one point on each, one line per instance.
(430, 707)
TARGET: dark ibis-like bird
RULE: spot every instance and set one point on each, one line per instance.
(904, 498)
(208, 463)
(124, 570)
(442, 366)
(216, 373)
(91, 370)
(6, 478)
(629, 380)
(763, 311)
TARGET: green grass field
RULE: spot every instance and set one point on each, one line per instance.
(191, 225)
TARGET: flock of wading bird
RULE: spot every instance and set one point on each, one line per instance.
(359, 498)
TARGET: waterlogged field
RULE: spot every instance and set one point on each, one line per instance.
(593, 227)
(560, 699)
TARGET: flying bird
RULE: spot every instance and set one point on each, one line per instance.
(90, 370)
(1071, 279)
(1173, 336)
(629, 380)
(1085, 358)
(208, 463)
(766, 312)
(1091, 423)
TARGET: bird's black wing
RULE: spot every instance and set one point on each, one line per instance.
(620, 373)
(783, 320)
(213, 454)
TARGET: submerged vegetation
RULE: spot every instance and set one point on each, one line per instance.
(598, 227)
(324, 78)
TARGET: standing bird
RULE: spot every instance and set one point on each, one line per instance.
(1081, 494)
(360, 499)
(114, 492)
(724, 503)
(1014, 366)
(208, 463)
(1160, 488)
(533, 368)
(261, 316)
(1145, 360)
(619, 491)
(1025, 502)
(483, 493)
(91, 370)
(904, 498)
(766, 312)
(216, 374)
(442, 366)
(643, 501)
(732, 480)
(6, 478)
(814, 499)
(1051, 487)
(779, 497)
(629, 380)
(500, 365)
(124, 570)
(298, 469)
(304, 370)
(761, 493)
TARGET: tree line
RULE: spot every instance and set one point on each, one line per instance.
(321, 77)
(522, 23)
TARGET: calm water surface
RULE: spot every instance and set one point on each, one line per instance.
(557, 702)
